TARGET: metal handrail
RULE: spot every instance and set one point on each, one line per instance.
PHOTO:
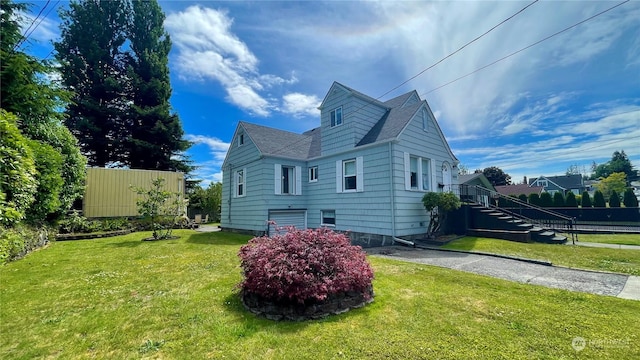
(484, 197)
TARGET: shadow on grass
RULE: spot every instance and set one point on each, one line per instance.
(466, 243)
(218, 238)
(251, 323)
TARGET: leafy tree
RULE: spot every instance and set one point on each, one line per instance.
(614, 199)
(38, 102)
(49, 166)
(208, 201)
(523, 197)
(160, 207)
(496, 176)
(156, 134)
(438, 205)
(585, 201)
(630, 199)
(17, 171)
(546, 200)
(615, 182)
(571, 201)
(93, 66)
(619, 163)
(534, 199)
(558, 199)
(598, 199)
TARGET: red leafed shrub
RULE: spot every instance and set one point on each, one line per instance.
(304, 266)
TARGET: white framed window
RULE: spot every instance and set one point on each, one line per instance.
(328, 217)
(241, 140)
(287, 179)
(349, 175)
(425, 120)
(426, 167)
(313, 174)
(419, 173)
(336, 117)
(543, 183)
(241, 189)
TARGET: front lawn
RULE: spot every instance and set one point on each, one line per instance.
(615, 260)
(619, 239)
(124, 298)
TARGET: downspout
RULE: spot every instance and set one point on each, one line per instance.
(230, 192)
(393, 201)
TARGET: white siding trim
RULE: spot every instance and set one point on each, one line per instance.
(277, 170)
(359, 174)
(338, 176)
(298, 189)
(434, 178)
(407, 171)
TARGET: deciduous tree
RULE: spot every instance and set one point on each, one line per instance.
(496, 176)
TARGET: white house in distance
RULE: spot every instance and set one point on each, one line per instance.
(363, 170)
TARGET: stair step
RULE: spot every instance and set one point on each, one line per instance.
(547, 233)
(536, 229)
(516, 221)
(506, 217)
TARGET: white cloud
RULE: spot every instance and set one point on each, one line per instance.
(43, 29)
(209, 50)
(296, 103)
(217, 147)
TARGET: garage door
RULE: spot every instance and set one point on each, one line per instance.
(284, 218)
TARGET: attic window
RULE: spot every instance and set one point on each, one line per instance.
(336, 117)
(241, 140)
(425, 120)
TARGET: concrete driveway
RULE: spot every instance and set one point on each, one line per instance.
(623, 286)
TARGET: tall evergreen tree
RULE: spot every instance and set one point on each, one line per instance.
(630, 199)
(585, 200)
(156, 135)
(571, 201)
(598, 199)
(558, 199)
(92, 62)
(614, 199)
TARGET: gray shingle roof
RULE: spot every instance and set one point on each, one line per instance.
(276, 142)
(391, 124)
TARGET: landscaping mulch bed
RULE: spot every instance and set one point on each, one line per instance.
(63, 237)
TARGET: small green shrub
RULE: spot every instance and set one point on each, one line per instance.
(546, 200)
(571, 200)
(558, 199)
(614, 199)
(630, 199)
(598, 199)
(18, 241)
(585, 201)
(523, 198)
(534, 199)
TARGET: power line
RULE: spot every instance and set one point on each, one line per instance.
(42, 19)
(459, 49)
(24, 37)
(526, 47)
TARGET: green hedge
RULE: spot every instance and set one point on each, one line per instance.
(20, 240)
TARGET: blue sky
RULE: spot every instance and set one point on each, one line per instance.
(569, 100)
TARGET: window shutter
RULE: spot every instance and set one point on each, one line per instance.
(359, 174)
(277, 179)
(407, 172)
(434, 178)
(419, 175)
(244, 181)
(338, 176)
(298, 180)
(233, 175)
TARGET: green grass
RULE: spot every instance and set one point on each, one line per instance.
(618, 239)
(122, 298)
(615, 260)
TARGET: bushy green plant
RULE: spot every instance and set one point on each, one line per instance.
(630, 199)
(17, 172)
(585, 201)
(160, 207)
(546, 200)
(534, 199)
(304, 266)
(17, 241)
(571, 200)
(523, 197)
(614, 199)
(438, 205)
(49, 166)
(558, 199)
(598, 199)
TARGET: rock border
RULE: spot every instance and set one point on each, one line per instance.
(63, 237)
(278, 311)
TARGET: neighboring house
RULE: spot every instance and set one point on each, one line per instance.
(365, 170)
(516, 190)
(563, 183)
(108, 191)
(476, 179)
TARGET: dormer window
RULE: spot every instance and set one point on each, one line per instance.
(336, 117)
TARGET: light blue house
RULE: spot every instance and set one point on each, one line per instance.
(364, 170)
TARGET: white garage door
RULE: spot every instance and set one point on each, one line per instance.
(284, 218)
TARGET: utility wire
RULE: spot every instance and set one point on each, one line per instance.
(459, 49)
(41, 19)
(526, 47)
(24, 36)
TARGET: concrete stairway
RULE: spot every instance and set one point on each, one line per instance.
(495, 224)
